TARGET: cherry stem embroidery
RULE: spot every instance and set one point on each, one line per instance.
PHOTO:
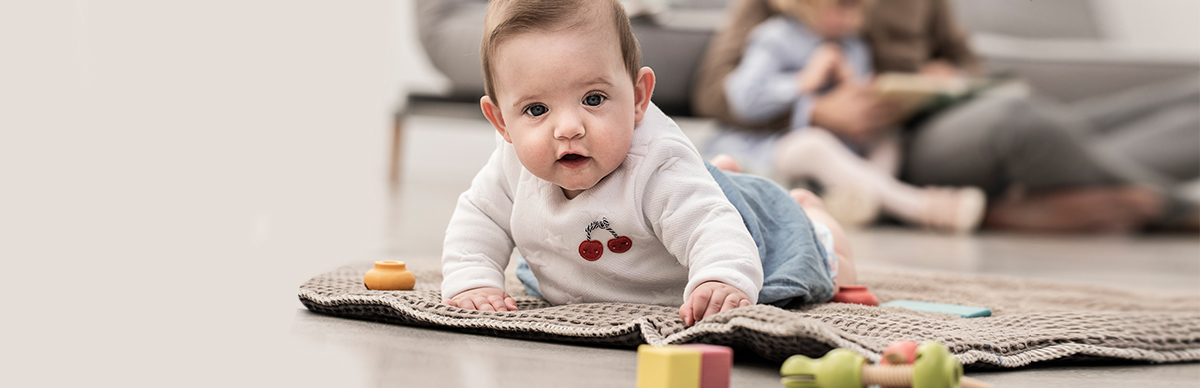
(602, 224)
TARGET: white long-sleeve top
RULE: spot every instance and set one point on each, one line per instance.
(683, 229)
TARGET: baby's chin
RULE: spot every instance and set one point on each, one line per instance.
(578, 185)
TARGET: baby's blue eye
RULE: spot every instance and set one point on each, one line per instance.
(536, 110)
(593, 100)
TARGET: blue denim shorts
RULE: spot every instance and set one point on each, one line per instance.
(797, 254)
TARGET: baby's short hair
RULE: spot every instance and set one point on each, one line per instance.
(506, 18)
(806, 10)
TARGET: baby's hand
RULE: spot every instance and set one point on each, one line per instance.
(483, 299)
(826, 65)
(710, 298)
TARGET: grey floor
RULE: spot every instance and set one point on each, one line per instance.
(396, 356)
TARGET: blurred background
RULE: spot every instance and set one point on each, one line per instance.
(173, 171)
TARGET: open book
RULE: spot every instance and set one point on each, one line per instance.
(915, 93)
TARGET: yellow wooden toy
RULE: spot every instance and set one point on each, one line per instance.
(668, 367)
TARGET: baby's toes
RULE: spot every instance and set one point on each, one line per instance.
(807, 199)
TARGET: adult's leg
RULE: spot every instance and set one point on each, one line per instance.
(999, 143)
(993, 142)
(1114, 112)
(1154, 127)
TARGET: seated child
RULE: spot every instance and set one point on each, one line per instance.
(602, 193)
(790, 60)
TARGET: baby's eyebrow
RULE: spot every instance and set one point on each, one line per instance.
(597, 81)
(520, 101)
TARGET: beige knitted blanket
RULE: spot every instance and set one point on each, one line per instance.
(1032, 321)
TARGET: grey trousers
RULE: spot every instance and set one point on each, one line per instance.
(1145, 136)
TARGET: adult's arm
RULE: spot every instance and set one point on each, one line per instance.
(723, 55)
(950, 40)
(904, 35)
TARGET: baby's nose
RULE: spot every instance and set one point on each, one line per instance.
(569, 126)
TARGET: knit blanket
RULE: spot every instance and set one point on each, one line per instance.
(1032, 321)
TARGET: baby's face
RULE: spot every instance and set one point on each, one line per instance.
(838, 19)
(567, 104)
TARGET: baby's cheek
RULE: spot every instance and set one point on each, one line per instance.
(532, 154)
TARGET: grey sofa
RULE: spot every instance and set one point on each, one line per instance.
(1056, 46)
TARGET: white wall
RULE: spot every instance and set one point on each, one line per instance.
(1154, 26)
(171, 172)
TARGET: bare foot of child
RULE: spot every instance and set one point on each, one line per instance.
(725, 162)
(814, 207)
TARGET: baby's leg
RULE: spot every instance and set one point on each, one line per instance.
(816, 153)
(814, 207)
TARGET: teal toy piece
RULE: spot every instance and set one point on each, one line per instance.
(936, 367)
(931, 307)
(840, 368)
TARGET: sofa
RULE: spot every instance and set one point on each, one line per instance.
(1059, 48)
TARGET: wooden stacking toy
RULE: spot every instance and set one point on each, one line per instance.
(684, 366)
(389, 275)
(934, 367)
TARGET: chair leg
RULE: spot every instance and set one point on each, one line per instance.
(397, 146)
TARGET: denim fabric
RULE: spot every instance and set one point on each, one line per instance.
(795, 262)
(526, 276)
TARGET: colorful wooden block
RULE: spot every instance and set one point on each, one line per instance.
(715, 364)
(668, 367)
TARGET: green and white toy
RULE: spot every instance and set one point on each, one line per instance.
(935, 367)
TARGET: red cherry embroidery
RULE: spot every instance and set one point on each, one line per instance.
(591, 250)
(620, 244)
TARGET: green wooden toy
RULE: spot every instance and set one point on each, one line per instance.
(935, 367)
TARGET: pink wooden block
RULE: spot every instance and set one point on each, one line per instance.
(715, 364)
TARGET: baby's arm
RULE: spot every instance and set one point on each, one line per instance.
(478, 241)
(701, 228)
(763, 85)
(827, 65)
(711, 298)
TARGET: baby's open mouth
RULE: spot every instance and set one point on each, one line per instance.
(573, 160)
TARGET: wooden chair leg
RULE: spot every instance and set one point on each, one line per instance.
(397, 146)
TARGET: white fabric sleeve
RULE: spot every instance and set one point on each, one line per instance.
(695, 221)
(479, 240)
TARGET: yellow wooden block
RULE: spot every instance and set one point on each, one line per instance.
(668, 367)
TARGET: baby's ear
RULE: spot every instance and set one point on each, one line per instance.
(492, 112)
(643, 88)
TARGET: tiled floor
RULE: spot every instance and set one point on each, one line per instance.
(403, 356)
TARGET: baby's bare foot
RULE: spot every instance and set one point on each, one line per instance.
(807, 199)
(725, 162)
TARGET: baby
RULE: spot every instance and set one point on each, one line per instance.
(605, 197)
